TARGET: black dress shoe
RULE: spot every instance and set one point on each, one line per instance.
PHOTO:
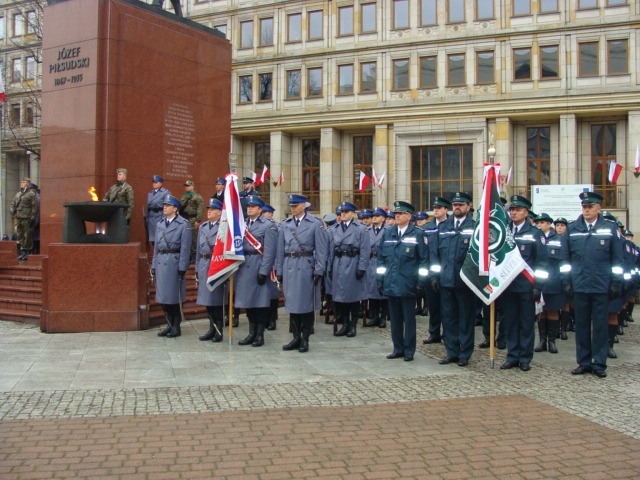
(501, 345)
(164, 331)
(484, 344)
(463, 362)
(600, 373)
(431, 340)
(408, 358)
(448, 360)
(525, 367)
(394, 355)
(581, 370)
(508, 365)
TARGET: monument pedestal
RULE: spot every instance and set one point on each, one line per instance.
(94, 288)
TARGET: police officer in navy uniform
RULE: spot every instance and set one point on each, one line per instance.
(155, 199)
(219, 193)
(268, 211)
(549, 319)
(403, 267)
(171, 255)
(421, 297)
(457, 301)
(253, 291)
(247, 191)
(441, 207)
(213, 301)
(349, 256)
(300, 264)
(377, 301)
(593, 277)
(518, 300)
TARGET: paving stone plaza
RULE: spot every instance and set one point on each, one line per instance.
(132, 405)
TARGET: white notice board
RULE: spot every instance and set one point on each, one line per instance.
(558, 200)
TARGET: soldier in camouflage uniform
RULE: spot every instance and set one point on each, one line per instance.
(25, 210)
(121, 192)
(192, 208)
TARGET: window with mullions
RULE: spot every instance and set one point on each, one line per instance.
(428, 14)
(294, 27)
(266, 86)
(617, 57)
(441, 170)
(400, 14)
(549, 61)
(246, 89)
(311, 171)
(314, 25)
(603, 151)
(362, 162)
(293, 84)
(266, 31)
(367, 77)
(345, 20)
(368, 17)
(345, 79)
(263, 157)
(429, 72)
(538, 156)
(246, 34)
(522, 64)
(588, 59)
(484, 68)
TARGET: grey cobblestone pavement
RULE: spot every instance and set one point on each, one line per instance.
(336, 372)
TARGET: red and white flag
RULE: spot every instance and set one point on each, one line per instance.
(3, 96)
(507, 179)
(615, 169)
(228, 251)
(281, 178)
(255, 178)
(381, 179)
(374, 177)
(364, 181)
(265, 174)
(637, 166)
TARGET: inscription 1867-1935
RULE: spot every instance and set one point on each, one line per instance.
(69, 60)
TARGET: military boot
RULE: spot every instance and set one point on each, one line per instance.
(259, 340)
(217, 337)
(564, 322)
(296, 327)
(175, 326)
(612, 334)
(273, 314)
(620, 323)
(351, 332)
(552, 333)
(343, 314)
(630, 307)
(212, 330)
(374, 308)
(252, 334)
(384, 313)
(236, 319)
(542, 331)
(304, 341)
(167, 329)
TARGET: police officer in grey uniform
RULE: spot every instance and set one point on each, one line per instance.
(377, 301)
(155, 198)
(171, 254)
(349, 257)
(268, 211)
(213, 301)
(300, 264)
(253, 291)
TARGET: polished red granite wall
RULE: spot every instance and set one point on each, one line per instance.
(126, 86)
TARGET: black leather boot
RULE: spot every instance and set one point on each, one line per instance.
(564, 322)
(236, 319)
(252, 334)
(259, 340)
(343, 315)
(273, 314)
(212, 329)
(542, 331)
(552, 333)
(384, 313)
(175, 325)
(217, 337)
(374, 307)
(630, 307)
(351, 332)
(304, 341)
(612, 334)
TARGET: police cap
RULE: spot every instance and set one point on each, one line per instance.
(421, 216)
(441, 202)
(520, 201)
(330, 219)
(189, 183)
(295, 199)
(268, 208)
(157, 178)
(171, 200)
(221, 181)
(588, 198)
(544, 217)
(379, 211)
(247, 180)
(400, 206)
(255, 200)
(366, 213)
(215, 203)
(461, 197)
(348, 206)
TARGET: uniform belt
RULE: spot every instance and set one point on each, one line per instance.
(169, 250)
(205, 255)
(299, 254)
(348, 253)
(252, 252)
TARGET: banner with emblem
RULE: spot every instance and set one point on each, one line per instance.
(493, 260)
(228, 251)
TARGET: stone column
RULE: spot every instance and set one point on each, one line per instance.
(382, 165)
(568, 150)
(34, 168)
(503, 138)
(280, 155)
(633, 194)
(329, 169)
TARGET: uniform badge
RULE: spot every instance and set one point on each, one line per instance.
(602, 242)
(466, 240)
(408, 250)
(553, 252)
(543, 240)
(522, 247)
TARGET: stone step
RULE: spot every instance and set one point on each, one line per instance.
(23, 316)
(21, 291)
(17, 303)
(21, 280)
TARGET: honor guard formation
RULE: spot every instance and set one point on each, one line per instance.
(391, 265)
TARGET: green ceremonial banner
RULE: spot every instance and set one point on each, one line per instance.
(491, 238)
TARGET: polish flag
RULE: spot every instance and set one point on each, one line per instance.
(615, 169)
(364, 181)
(281, 178)
(638, 159)
(3, 97)
(255, 178)
(265, 174)
(381, 179)
(374, 177)
(507, 179)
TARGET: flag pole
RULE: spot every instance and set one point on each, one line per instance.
(230, 318)
(491, 151)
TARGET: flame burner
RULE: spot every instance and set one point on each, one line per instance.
(109, 219)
